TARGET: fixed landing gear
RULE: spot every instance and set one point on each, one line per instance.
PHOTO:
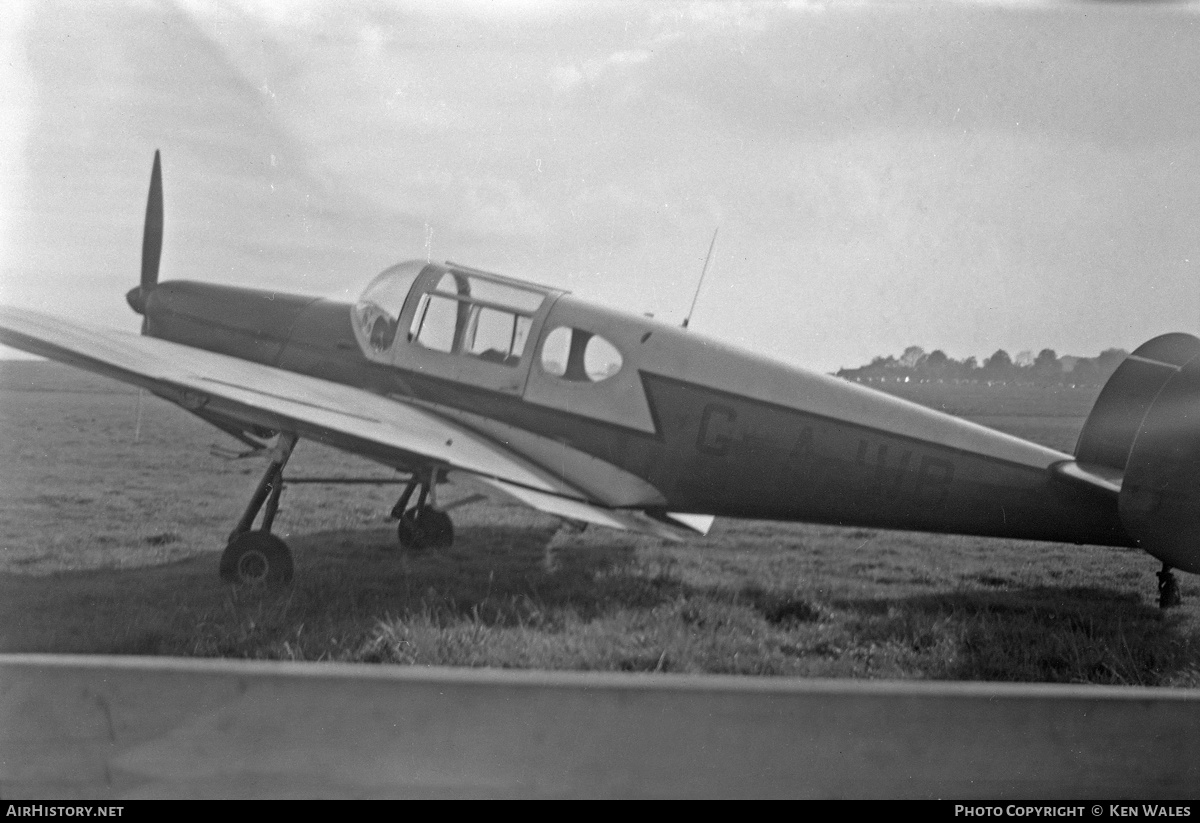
(1168, 589)
(423, 526)
(430, 529)
(256, 555)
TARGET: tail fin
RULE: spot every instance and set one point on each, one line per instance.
(1144, 435)
(1108, 435)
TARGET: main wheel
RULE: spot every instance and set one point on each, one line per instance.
(1168, 590)
(431, 530)
(256, 557)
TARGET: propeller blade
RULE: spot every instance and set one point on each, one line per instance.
(153, 235)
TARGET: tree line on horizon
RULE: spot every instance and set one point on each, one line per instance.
(1044, 368)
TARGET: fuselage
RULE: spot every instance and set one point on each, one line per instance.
(657, 417)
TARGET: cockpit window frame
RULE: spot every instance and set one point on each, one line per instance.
(468, 309)
(458, 365)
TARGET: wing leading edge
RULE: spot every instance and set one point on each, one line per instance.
(389, 431)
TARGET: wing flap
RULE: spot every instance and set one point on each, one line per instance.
(625, 519)
(697, 523)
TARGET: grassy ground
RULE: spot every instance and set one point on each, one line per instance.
(108, 545)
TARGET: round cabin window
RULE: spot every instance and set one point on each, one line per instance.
(579, 356)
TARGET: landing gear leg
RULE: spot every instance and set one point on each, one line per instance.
(1168, 589)
(423, 526)
(257, 556)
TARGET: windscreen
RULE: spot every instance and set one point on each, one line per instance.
(377, 313)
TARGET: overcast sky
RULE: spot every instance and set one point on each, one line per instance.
(963, 176)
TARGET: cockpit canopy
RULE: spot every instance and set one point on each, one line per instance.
(447, 322)
(449, 309)
(414, 314)
(476, 316)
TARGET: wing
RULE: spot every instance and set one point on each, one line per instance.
(354, 420)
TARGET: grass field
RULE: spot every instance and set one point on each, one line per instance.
(110, 532)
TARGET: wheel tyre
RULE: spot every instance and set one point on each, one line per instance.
(407, 532)
(256, 557)
(1168, 594)
(431, 530)
(438, 529)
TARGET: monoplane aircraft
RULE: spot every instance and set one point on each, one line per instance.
(526, 392)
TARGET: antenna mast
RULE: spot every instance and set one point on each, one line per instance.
(703, 272)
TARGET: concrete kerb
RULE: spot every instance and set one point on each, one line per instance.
(124, 727)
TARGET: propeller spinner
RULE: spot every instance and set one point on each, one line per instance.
(152, 237)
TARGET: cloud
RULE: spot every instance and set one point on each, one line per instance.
(16, 94)
(1122, 78)
(495, 207)
(565, 79)
(630, 57)
(846, 151)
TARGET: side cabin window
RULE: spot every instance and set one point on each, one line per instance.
(468, 315)
(579, 356)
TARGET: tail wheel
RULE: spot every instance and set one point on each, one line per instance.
(256, 557)
(427, 529)
(1168, 589)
